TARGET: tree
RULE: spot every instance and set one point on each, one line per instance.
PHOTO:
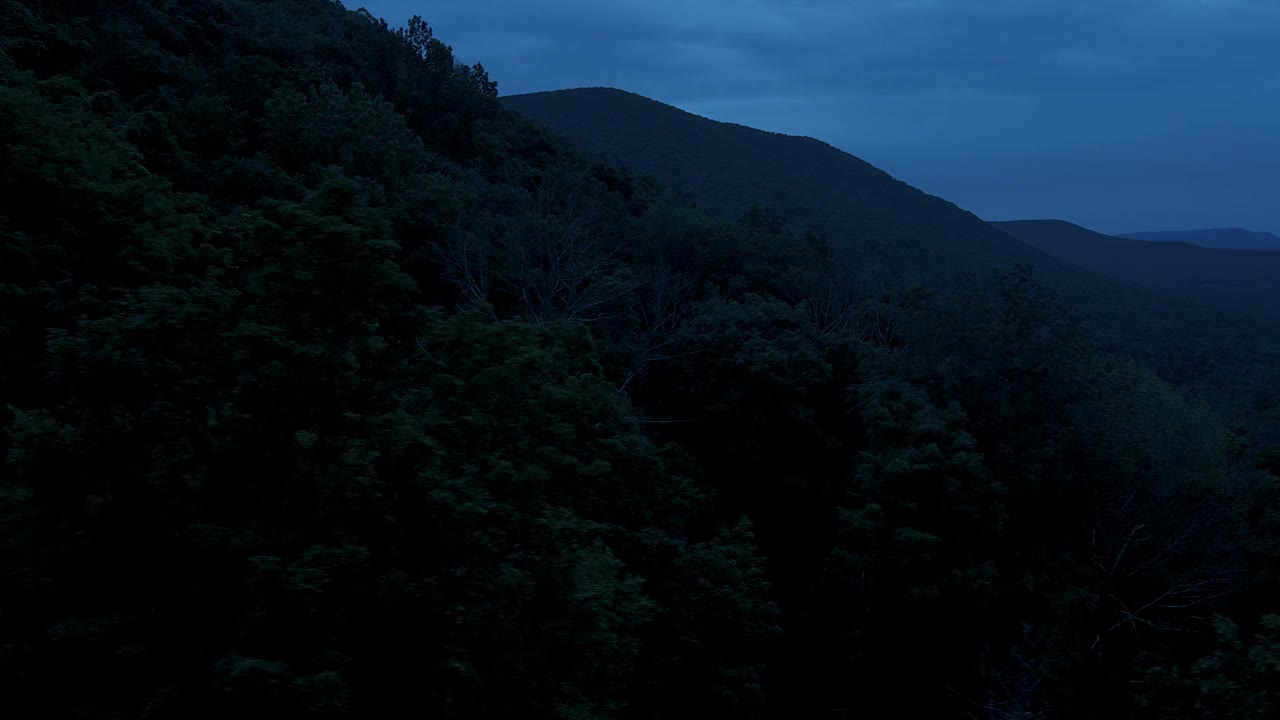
(916, 555)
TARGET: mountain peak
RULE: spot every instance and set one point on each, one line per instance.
(884, 224)
(620, 100)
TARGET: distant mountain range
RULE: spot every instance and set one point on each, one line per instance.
(1219, 238)
(885, 226)
(1246, 280)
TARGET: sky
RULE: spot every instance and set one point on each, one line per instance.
(1119, 115)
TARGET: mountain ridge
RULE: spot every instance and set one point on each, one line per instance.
(882, 224)
(1243, 280)
(332, 389)
(730, 150)
(1233, 238)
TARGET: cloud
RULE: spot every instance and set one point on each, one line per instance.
(859, 46)
(1046, 83)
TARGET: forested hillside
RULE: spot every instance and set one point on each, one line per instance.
(890, 229)
(1247, 281)
(332, 389)
(887, 226)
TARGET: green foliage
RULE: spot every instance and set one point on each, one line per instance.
(353, 130)
(1239, 678)
(1236, 680)
(914, 558)
(1215, 328)
(1199, 320)
(331, 389)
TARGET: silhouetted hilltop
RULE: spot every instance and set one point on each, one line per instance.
(1246, 280)
(1219, 238)
(883, 225)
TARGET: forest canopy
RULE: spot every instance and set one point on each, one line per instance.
(330, 388)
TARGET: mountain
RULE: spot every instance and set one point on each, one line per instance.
(1245, 280)
(331, 389)
(1220, 238)
(886, 225)
(883, 225)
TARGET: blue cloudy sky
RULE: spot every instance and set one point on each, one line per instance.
(1121, 115)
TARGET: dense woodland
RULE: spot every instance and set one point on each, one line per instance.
(331, 388)
(1244, 280)
(1183, 314)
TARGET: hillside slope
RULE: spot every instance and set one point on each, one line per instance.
(1219, 238)
(1245, 280)
(886, 225)
(329, 389)
(883, 225)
